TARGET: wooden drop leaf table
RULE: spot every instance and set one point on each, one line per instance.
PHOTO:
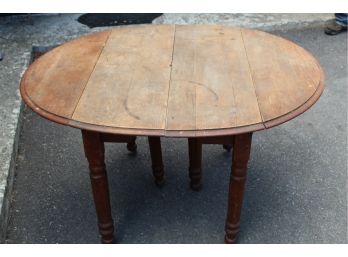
(211, 84)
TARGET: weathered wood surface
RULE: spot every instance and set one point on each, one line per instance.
(55, 81)
(129, 85)
(211, 73)
(174, 80)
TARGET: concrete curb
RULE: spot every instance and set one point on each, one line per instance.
(16, 31)
(47, 31)
(6, 183)
(6, 188)
(265, 21)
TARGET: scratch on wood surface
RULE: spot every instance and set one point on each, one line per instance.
(216, 97)
(125, 104)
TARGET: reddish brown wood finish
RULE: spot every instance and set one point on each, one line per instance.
(105, 137)
(227, 140)
(130, 140)
(94, 151)
(241, 151)
(187, 77)
(132, 146)
(195, 156)
(195, 168)
(55, 89)
(240, 157)
(241, 145)
(156, 157)
(227, 147)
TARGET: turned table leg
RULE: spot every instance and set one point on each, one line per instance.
(227, 147)
(131, 145)
(94, 151)
(240, 157)
(195, 168)
(156, 158)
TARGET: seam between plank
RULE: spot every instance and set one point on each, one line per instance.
(170, 79)
(252, 78)
(89, 77)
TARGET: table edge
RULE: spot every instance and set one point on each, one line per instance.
(173, 133)
(178, 133)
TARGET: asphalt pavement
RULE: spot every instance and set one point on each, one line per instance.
(296, 190)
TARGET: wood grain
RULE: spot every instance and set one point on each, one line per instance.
(95, 154)
(240, 157)
(211, 86)
(57, 79)
(285, 75)
(175, 81)
(129, 86)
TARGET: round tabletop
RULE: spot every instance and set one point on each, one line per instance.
(174, 80)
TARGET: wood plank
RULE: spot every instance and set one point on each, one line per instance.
(182, 94)
(211, 85)
(285, 75)
(56, 80)
(221, 79)
(129, 86)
